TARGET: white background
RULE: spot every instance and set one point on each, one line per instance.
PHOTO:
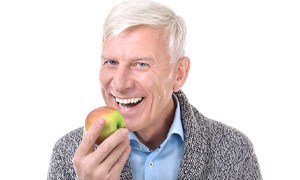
(245, 72)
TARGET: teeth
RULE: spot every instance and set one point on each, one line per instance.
(128, 101)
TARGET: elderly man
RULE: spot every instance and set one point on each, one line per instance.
(143, 67)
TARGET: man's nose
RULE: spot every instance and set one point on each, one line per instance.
(122, 79)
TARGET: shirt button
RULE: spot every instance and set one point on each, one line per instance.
(151, 164)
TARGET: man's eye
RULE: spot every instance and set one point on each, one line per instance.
(111, 62)
(142, 65)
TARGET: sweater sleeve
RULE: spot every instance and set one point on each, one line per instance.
(249, 169)
(61, 165)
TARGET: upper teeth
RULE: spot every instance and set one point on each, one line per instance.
(127, 101)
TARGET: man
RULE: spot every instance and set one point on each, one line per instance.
(143, 68)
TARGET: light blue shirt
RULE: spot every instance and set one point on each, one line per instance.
(163, 162)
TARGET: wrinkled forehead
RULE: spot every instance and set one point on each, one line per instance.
(140, 43)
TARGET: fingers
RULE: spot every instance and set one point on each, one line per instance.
(114, 162)
(118, 166)
(107, 160)
(90, 137)
(112, 146)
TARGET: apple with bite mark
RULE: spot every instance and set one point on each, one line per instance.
(113, 117)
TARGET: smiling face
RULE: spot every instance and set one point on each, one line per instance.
(138, 79)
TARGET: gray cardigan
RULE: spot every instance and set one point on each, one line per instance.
(212, 151)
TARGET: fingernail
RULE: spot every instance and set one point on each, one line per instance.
(125, 131)
(100, 122)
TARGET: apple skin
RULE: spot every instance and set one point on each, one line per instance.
(113, 117)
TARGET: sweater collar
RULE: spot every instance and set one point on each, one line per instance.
(192, 121)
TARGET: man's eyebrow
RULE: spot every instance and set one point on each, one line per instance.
(106, 58)
(137, 58)
(147, 58)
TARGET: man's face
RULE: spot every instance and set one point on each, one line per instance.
(137, 77)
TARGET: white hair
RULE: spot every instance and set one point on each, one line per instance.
(133, 13)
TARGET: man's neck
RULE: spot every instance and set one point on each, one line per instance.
(154, 136)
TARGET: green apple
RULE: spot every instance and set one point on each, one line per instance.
(113, 117)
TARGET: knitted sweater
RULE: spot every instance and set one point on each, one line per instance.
(212, 151)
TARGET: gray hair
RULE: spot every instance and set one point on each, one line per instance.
(143, 12)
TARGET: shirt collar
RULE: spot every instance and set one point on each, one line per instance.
(176, 127)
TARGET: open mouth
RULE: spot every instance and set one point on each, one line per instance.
(128, 103)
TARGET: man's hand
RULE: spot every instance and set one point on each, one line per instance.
(105, 162)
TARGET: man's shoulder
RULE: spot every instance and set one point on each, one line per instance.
(227, 145)
(199, 128)
(61, 166)
(70, 140)
(225, 134)
(220, 135)
(221, 150)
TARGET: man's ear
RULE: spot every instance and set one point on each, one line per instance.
(182, 71)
